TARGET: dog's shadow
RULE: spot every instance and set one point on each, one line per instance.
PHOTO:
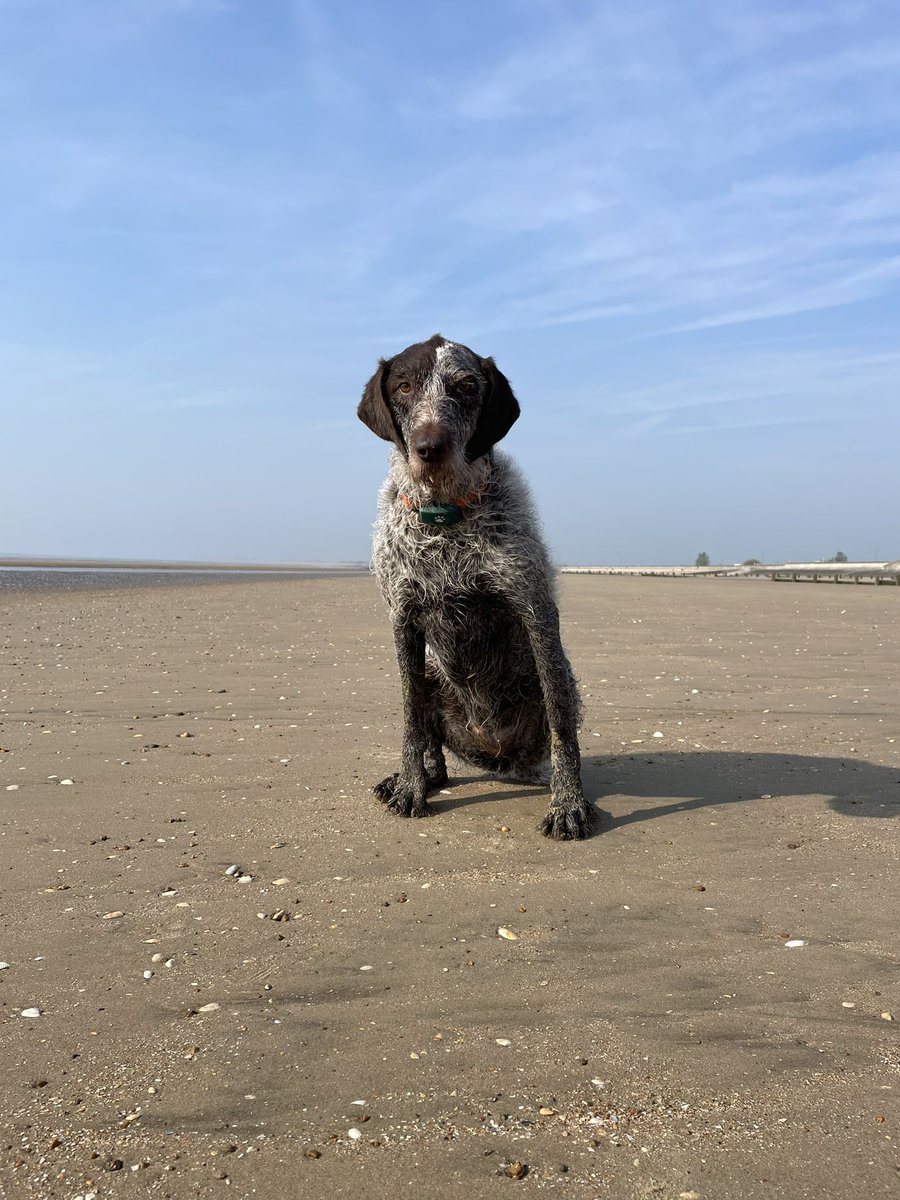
(680, 782)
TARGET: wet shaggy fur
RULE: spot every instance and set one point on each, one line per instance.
(472, 604)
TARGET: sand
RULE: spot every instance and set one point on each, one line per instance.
(648, 1033)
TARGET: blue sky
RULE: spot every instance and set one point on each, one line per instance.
(676, 226)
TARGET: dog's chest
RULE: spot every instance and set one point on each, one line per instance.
(435, 566)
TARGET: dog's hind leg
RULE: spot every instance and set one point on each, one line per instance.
(435, 763)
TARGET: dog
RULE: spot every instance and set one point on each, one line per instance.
(461, 562)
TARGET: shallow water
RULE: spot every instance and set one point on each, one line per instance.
(62, 579)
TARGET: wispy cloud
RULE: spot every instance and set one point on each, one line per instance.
(678, 186)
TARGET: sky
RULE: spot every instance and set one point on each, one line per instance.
(675, 226)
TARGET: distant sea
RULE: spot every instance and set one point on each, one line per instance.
(77, 579)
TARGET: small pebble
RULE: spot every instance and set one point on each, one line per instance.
(847, 1004)
(66, 782)
(4, 966)
(30, 1012)
(507, 934)
(245, 879)
(148, 974)
(111, 916)
(280, 882)
(156, 958)
(516, 1170)
(546, 1111)
(12, 787)
(503, 1041)
(794, 943)
(211, 1007)
(233, 869)
(887, 1016)
(354, 1134)
(367, 967)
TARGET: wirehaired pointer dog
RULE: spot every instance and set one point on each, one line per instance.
(459, 557)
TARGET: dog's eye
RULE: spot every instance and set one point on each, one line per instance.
(404, 387)
(466, 385)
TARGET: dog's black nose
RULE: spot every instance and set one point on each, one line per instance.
(432, 447)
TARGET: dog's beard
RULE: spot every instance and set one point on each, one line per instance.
(450, 479)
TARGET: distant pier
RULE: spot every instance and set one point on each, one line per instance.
(822, 572)
(871, 572)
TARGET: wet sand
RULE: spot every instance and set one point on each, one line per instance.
(648, 1033)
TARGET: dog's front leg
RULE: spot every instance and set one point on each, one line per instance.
(404, 793)
(568, 815)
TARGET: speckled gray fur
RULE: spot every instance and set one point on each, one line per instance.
(473, 605)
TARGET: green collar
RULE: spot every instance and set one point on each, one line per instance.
(440, 514)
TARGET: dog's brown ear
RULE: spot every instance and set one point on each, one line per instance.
(374, 410)
(499, 410)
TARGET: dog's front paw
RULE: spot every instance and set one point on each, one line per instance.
(402, 798)
(407, 802)
(567, 821)
(386, 788)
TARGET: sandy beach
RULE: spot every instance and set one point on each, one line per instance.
(338, 1016)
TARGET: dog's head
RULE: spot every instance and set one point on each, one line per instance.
(441, 405)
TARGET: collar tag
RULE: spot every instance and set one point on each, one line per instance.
(440, 514)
